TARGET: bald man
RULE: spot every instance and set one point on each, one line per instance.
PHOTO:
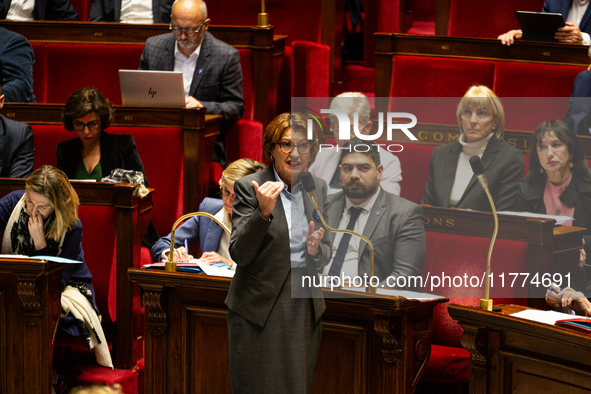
(211, 69)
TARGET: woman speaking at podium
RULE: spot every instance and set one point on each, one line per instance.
(274, 326)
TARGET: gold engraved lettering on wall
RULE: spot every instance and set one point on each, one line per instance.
(11, 115)
(546, 53)
(512, 141)
(438, 136)
(423, 135)
(128, 117)
(445, 47)
(98, 34)
(440, 222)
(453, 137)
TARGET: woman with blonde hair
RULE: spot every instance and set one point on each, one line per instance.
(213, 241)
(451, 181)
(42, 220)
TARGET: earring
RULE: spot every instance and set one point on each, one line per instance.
(541, 170)
(571, 165)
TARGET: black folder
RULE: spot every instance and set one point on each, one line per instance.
(539, 26)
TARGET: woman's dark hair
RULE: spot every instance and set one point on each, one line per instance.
(566, 136)
(84, 101)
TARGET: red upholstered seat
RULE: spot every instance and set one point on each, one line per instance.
(286, 16)
(424, 76)
(47, 137)
(164, 170)
(547, 88)
(414, 161)
(456, 255)
(82, 8)
(311, 69)
(39, 71)
(81, 375)
(74, 66)
(489, 19)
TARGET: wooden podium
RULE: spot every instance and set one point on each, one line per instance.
(370, 343)
(513, 355)
(30, 307)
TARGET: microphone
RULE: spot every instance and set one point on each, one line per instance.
(478, 169)
(310, 187)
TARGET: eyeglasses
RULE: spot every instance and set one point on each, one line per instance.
(286, 147)
(177, 31)
(226, 193)
(92, 126)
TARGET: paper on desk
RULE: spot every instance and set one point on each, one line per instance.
(54, 259)
(547, 317)
(409, 295)
(559, 219)
(215, 270)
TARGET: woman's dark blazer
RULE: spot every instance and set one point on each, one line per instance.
(577, 194)
(260, 248)
(578, 106)
(503, 165)
(117, 151)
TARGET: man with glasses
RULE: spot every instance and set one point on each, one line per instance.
(326, 165)
(211, 69)
(17, 150)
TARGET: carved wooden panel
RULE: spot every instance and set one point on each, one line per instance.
(206, 335)
(341, 367)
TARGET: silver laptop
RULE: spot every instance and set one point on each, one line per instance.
(147, 88)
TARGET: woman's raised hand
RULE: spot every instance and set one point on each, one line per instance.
(267, 195)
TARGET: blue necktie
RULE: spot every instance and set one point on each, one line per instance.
(339, 257)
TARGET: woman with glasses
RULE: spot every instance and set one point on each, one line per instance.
(274, 321)
(94, 154)
(213, 241)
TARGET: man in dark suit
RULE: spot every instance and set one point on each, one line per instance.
(17, 150)
(111, 11)
(43, 10)
(211, 68)
(16, 67)
(577, 17)
(393, 224)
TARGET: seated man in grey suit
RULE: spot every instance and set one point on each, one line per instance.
(17, 151)
(211, 69)
(393, 224)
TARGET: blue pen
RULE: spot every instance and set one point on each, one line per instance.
(187, 246)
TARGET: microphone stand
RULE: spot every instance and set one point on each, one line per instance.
(486, 303)
(170, 265)
(370, 288)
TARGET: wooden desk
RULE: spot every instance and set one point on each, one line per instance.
(552, 249)
(30, 306)
(381, 343)
(512, 355)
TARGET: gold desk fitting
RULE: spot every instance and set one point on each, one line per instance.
(263, 16)
(486, 303)
(170, 265)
